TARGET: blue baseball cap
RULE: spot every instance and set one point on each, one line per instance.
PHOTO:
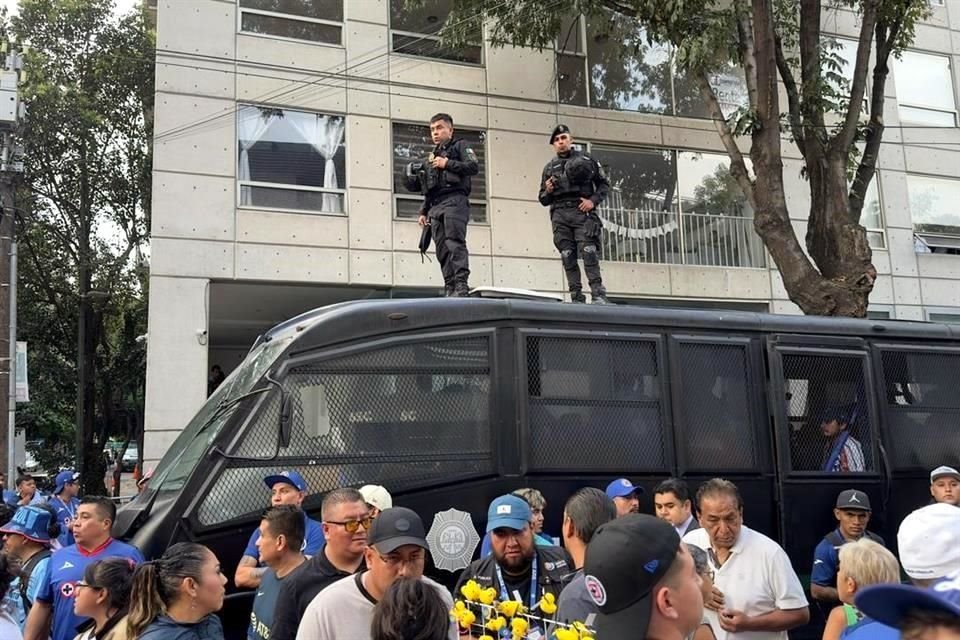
(64, 478)
(30, 522)
(891, 603)
(621, 488)
(292, 478)
(508, 512)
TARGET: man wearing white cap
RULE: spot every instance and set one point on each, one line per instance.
(377, 498)
(945, 485)
(929, 544)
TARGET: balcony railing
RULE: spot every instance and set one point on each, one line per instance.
(651, 236)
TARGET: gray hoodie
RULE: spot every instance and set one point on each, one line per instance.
(164, 628)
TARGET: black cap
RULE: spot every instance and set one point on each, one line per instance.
(396, 527)
(560, 128)
(625, 559)
(853, 499)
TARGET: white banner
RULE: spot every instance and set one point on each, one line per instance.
(23, 385)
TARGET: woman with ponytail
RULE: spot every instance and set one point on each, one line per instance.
(175, 597)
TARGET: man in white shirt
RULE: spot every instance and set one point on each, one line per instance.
(396, 548)
(757, 596)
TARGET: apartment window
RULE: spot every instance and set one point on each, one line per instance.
(291, 160)
(945, 318)
(412, 142)
(871, 216)
(592, 72)
(415, 29)
(925, 89)
(935, 212)
(675, 207)
(312, 20)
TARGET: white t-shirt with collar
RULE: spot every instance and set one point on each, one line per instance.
(757, 578)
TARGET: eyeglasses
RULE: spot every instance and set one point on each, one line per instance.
(81, 584)
(351, 526)
(393, 560)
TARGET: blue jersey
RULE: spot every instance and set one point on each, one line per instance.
(38, 577)
(66, 569)
(826, 558)
(868, 629)
(66, 512)
(312, 540)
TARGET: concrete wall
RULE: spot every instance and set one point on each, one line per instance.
(205, 68)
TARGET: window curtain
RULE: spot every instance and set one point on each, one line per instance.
(253, 124)
(325, 134)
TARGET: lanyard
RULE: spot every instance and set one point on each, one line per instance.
(504, 596)
(68, 507)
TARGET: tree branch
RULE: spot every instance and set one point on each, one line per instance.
(810, 73)
(841, 143)
(748, 52)
(793, 96)
(738, 166)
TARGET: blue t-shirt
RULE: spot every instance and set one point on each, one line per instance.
(38, 576)
(261, 617)
(312, 540)
(868, 629)
(826, 560)
(539, 540)
(66, 569)
(66, 512)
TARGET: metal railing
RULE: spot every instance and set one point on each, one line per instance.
(651, 235)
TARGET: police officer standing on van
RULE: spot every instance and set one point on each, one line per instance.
(572, 185)
(445, 206)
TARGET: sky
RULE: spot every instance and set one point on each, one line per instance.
(121, 5)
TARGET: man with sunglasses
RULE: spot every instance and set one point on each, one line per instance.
(286, 487)
(346, 520)
(396, 548)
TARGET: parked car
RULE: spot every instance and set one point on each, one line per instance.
(130, 458)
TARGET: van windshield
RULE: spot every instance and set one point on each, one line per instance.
(182, 457)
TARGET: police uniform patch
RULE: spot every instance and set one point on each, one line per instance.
(471, 156)
(452, 539)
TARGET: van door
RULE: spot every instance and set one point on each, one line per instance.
(822, 398)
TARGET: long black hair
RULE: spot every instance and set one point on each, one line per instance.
(156, 584)
(411, 610)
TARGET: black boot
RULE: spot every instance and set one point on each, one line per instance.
(599, 295)
(448, 289)
(578, 297)
(461, 289)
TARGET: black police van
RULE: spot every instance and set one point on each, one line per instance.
(451, 402)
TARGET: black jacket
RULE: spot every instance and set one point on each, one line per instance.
(299, 589)
(554, 570)
(596, 189)
(455, 178)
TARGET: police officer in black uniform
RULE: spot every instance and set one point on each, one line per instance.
(445, 206)
(573, 184)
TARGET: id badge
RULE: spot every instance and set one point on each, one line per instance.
(535, 634)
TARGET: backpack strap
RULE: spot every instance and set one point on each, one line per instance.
(25, 574)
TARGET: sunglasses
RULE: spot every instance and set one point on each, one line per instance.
(351, 526)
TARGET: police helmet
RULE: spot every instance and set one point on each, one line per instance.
(411, 177)
(579, 169)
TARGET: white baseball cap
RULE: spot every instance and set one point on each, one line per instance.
(944, 470)
(929, 541)
(376, 496)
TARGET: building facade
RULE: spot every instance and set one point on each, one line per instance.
(282, 130)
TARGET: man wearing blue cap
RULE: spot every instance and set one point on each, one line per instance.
(918, 614)
(517, 568)
(65, 503)
(27, 539)
(286, 487)
(625, 496)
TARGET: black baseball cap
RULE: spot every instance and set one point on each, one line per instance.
(625, 559)
(560, 128)
(396, 527)
(853, 500)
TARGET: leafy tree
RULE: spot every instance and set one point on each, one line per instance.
(84, 211)
(773, 41)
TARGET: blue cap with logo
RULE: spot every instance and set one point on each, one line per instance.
(64, 478)
(292, 478)
(508, 512)
(621, 488)
(891, 603)
(30, 522)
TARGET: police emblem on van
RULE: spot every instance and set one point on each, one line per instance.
(452, 539)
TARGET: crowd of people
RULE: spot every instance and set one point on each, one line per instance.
(691, 571)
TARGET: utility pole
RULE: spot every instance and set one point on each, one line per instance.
(11, 111)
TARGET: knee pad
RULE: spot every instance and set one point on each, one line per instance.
(569, 258)
(590, 255)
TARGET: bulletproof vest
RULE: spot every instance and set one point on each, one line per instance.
(573, 176)
(448, 181)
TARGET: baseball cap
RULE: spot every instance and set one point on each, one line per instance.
(30, 522)
(377, 496)
(621, 487)
(396, 527)
(944, 470)
(625, 559)
(891, 603)
(509, 512)
(290, 477)
(852, 499)
(929, 542)
(64, 478)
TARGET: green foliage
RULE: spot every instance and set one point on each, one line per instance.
(84, 215)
